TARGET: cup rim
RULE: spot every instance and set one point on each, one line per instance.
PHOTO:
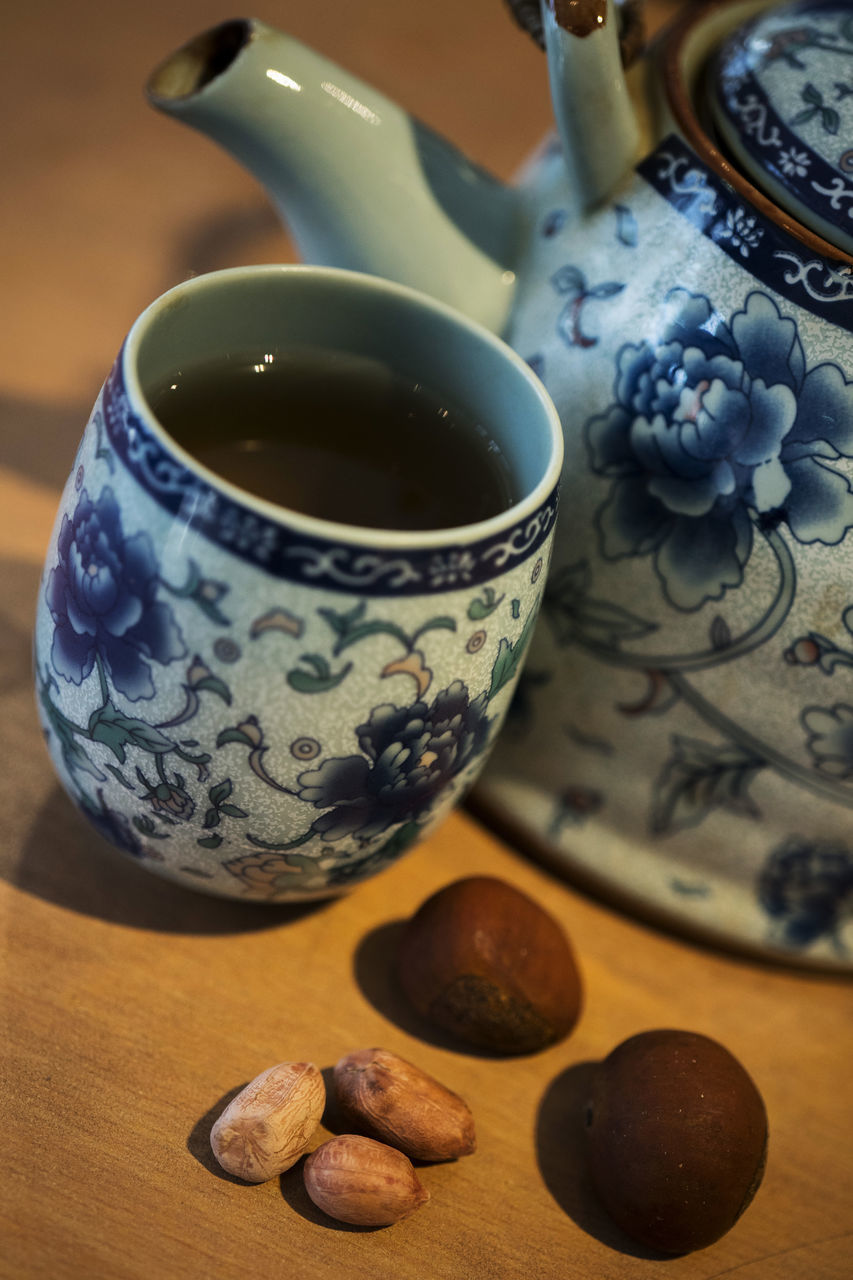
(674, 54)
(386, 539)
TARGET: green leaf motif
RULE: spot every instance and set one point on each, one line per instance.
(203, 592)
(72, 752)
(481, 607)
(439, 623)
(146, 827)
(700, 777)
(318, 680)
(279, 846)
(233, 811)
(341, 623)
(119, 776)
(234, 734)
(350, 629)
(209, 842)
(509, 656)
(219, 806)
(221, 791)
(109, 726)
(365, 629)
(214, 685)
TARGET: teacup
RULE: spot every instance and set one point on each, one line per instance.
(258, 702)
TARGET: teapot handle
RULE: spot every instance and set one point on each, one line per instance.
(632, 28)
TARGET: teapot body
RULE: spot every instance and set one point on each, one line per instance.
(683, 735)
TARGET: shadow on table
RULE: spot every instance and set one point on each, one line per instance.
(198, 1141)
(560, 1153)
(375, 971)
(292, 1187)
(40, 440)
(65, 861)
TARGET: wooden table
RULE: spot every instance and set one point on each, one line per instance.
(131, 1007)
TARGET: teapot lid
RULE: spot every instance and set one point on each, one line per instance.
(781, 99)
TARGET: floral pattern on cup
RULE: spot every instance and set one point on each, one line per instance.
(102, 595)
(114, 639)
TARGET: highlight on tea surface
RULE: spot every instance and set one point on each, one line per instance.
(338, 436)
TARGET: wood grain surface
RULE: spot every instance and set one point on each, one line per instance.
(131, 1009)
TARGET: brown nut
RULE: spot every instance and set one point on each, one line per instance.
(270, 1123)
(485, 962)
(358, 1180)
(393, 1100)
(676, 1139)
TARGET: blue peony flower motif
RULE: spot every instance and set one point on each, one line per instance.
(713, 427)
(102, 597)
(410, 754)
(807, 887)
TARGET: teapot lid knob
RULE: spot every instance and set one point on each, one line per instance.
(781, 100)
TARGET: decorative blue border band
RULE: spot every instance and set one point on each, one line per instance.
(762, 248)
(794, 165)
(289, 554)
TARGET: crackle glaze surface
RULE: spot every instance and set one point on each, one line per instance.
(250, 710)
(784, 102)
(683, 732)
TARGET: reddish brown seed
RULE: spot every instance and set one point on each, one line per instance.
(485, 962)
(676, 1139)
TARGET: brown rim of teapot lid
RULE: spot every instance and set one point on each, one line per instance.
(780, 96)
(678, 77)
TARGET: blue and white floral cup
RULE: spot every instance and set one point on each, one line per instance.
(262, 704)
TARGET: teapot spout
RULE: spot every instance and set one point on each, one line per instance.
(358, 181)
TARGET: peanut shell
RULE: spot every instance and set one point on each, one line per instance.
(391, 1099)
(270, 1123)
(358, 1180)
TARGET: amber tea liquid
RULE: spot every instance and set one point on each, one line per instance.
(340, 437)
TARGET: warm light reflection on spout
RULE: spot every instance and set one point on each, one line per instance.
(285, 81)
(347, 100)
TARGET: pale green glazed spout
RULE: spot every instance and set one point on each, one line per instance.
(359, 183)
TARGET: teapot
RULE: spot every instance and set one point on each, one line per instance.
(676, 267)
